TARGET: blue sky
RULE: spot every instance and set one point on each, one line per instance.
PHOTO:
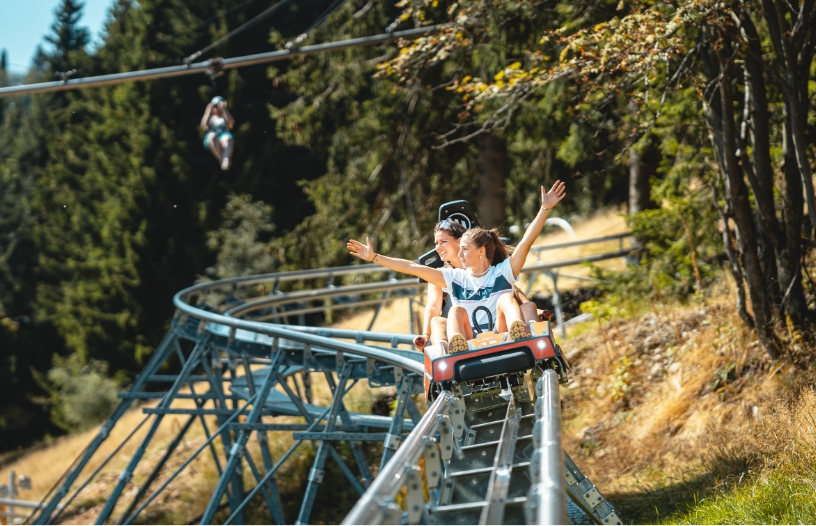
(24, 23)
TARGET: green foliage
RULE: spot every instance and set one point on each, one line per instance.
(108, 195)
(666, 269)
(242, 240)
(82, 394)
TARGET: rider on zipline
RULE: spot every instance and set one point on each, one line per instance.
(217, 122)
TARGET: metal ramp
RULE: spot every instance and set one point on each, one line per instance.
(490, 458)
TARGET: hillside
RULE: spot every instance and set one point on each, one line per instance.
(663, 411)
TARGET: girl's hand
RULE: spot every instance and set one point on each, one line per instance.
(364, 252)
(421, 341)
(554, 196)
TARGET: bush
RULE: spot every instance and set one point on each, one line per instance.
(681, 254)
(82, 394)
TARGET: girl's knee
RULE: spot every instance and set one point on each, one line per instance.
(506, 300)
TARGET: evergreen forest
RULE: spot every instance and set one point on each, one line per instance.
(695, 118)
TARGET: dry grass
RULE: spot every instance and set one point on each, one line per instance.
(668, 407)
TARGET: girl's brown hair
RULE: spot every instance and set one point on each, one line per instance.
(456, 230)
(495, 250)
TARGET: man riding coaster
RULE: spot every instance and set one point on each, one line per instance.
(486, 279)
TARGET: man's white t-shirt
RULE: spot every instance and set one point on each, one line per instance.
(471, 292)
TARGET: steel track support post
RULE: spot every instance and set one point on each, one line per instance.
(127, 473)
(270, 492)
(392, 442)
(203, 419)
(413, 410)
(267, 495)
(226, 434)
(277, 506)
(359, 456)
(269, 475)
(316, 473)
(99, 468)
(156, 360)
(186, 463)
(155, 473)
(237, 450)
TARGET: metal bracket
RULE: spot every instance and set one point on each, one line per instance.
(392, 514)
(316, 475)
(236, 450)
(593, 496)
(370, 366)
(457, 416)
(392, 441)
(433, 466)
(415, 500)
(446, 436)
(535, 466)
(338, 360)
(307, 353)
(531, 504)
(612, 518)
(398, 374)
(570, 478)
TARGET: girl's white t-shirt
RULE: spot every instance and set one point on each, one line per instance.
(471, 292)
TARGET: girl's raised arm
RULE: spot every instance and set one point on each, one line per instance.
(548, 200)
(206, 117)
(366, 253)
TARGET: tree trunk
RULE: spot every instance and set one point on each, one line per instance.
(785, 238)
(737, 195)
(795, 54)
(639, 174)
(493, 170)
(790, 276)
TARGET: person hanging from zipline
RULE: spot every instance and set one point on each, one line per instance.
(490, 269)
(217, 122)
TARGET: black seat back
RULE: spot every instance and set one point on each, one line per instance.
(511, 361)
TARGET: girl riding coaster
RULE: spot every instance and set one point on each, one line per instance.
(447, 234)
(217, 122)
(486, 279)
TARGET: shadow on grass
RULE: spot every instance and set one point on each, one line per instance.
(662, 499)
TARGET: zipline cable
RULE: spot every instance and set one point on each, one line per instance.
(246, 25)
(209, 65)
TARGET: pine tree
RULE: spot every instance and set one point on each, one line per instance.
(67, 36)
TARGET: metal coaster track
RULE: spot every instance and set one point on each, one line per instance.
(486, 460)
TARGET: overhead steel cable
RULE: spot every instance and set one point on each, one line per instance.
(243, 27)
(209, 65)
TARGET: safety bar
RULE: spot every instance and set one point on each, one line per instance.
(377, 503)
(546, 500)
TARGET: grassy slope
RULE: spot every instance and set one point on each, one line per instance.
(645, 419)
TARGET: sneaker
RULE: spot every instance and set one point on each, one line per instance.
(519, 331)
(225, 164)
(457, 343)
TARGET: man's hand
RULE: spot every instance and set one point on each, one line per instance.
(554, 196)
